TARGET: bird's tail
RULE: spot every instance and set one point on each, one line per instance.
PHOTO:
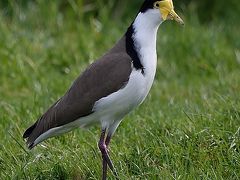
(28, 133)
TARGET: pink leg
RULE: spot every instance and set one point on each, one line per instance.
(103, 146)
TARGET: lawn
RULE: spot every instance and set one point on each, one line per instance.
(188, 127)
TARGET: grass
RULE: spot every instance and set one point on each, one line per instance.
(188, 127)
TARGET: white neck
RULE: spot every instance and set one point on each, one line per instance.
(146, 29)
(145, 37)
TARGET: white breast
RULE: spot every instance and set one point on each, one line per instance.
(115, 106)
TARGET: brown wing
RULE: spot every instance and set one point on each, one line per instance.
(102, 78)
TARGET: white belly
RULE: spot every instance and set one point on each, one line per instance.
(113, 107)
(117, 105)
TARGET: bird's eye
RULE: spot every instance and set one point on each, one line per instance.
(156, 5)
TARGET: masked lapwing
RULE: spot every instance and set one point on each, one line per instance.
(112, 86)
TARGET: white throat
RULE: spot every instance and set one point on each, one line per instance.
(145, 37)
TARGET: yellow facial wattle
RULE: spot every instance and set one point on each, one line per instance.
(167, 11)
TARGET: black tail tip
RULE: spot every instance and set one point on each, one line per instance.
(29, 131)
(25, 135)
(30, 146)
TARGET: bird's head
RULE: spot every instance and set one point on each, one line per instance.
(162, 9)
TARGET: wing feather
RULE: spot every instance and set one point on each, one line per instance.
(102, 78)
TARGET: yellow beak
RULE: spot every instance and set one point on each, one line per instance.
(167, 11)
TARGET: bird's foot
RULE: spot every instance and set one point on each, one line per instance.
(105, 155)
(106, 159)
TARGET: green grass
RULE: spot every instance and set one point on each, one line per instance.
(188, 127)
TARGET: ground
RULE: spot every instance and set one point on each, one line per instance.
(188, 127)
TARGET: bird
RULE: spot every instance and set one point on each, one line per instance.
(112, 86)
